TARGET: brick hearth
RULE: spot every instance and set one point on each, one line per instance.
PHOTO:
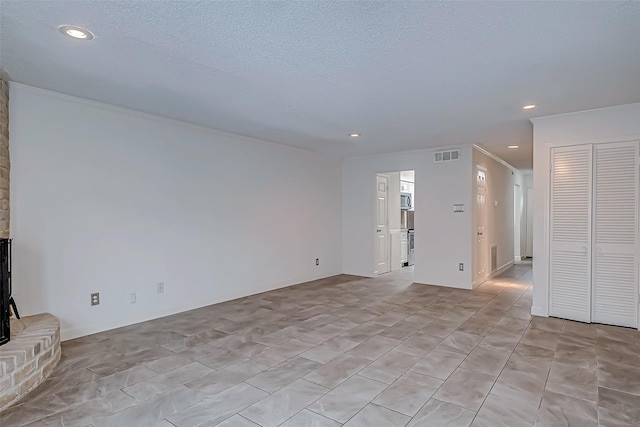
(29, 358)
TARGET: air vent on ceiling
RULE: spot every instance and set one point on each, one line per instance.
(447, 156)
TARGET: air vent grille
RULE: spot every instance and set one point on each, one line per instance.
(494, 258)
(447, 156)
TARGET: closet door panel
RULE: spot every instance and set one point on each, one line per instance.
(570, 227)
(615, 229)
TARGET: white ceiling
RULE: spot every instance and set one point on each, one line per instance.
(406, 75)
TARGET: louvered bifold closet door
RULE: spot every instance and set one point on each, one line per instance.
(570, 224)
(615, 225)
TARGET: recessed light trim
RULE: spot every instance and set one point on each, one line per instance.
(512, 147)
(355, 135)
(529, 107)
(76, 32)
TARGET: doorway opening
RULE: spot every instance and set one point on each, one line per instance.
(529, 223)
(395, 230)
(517, 222)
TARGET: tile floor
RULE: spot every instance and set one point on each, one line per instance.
(349, 351)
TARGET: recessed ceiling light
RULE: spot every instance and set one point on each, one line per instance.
(529, 107)
(354, 135)
(513, 146)
(76, 32)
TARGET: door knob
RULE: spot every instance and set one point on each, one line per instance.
(378, 231)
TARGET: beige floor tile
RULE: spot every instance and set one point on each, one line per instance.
(460, 342)
(573, 381)
(164, 383)
(235, 421)
(540, 338)
(363, 332)
(457, 315)
(512, 326)
(329, 350)
(547, 323)
(439, 363)
(618, 409)
(477, 325)
(619, 376)
(337, 370)
(438, 413)
(288, 349)
(582, 356)
(401, 330)
(283, 374)
(307, 418)
(323, 333)
(217, 408)
(283, 404)
(523, 385)
(486, 360)
(159, 407)
(418, 345)
(409, 393)
(560, 410)
(499, 340)
(374, 415)
(439, 328)
(499, 411)
(223, 379)
(389, 367)
(346, 400)
(465, 388)
(390, 318)
(195, 368)
(374, 347)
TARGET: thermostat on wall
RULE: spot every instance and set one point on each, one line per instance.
(458, 208)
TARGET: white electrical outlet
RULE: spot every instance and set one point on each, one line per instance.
(160, 287)
(132, 298)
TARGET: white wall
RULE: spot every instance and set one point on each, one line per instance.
(526, 240)
(500, 219)
(113, 201)
(621, 123)
(441, 236)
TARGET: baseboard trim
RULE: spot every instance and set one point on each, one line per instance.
(501, 270)
(539, 311)
(93, 328)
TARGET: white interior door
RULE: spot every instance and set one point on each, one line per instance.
(529, 224)
(481, 243)
(615, 230)
(382, 221)
(570, 227)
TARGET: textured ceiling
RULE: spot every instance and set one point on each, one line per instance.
(406, 75)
